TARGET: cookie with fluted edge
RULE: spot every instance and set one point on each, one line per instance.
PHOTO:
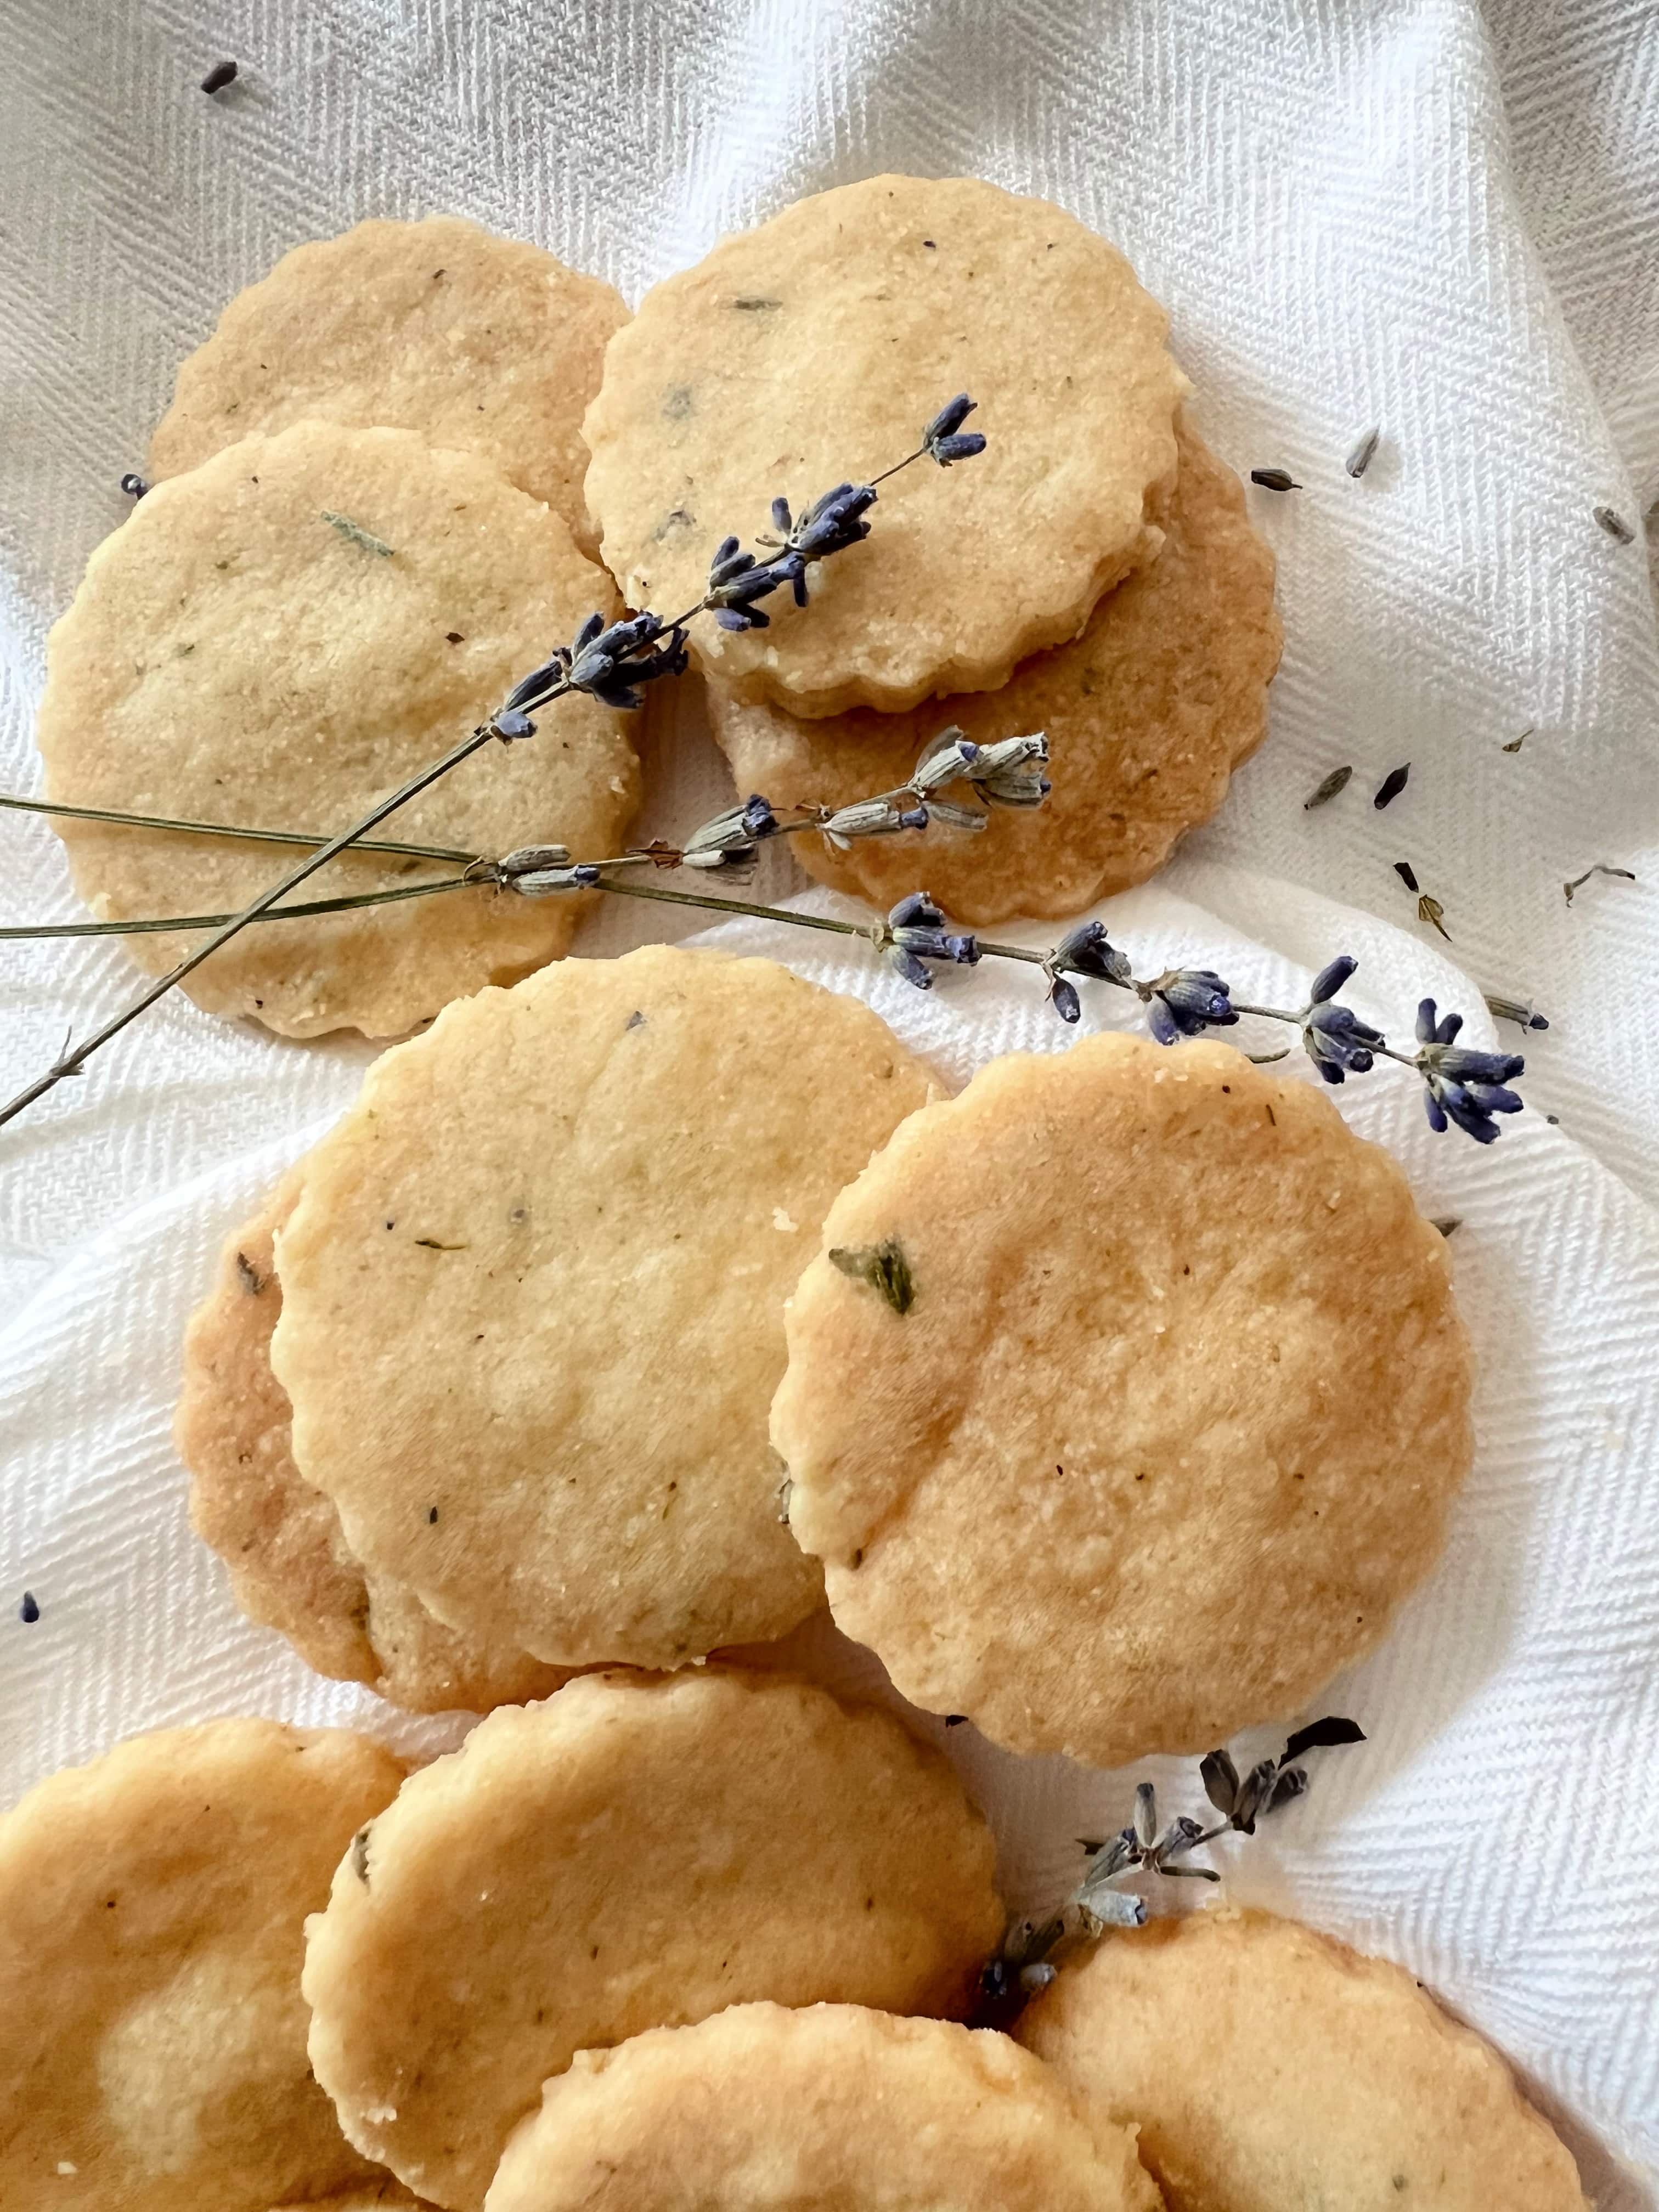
(384, 2195)
(484, 344)
(1147, 714)
(1172, 1418)
(152, 2032)
(632, 1854)
(279, 638)
(815, 349)
(829, 2108)
(1267, 2065)
(533, 1290)
(281, 1540)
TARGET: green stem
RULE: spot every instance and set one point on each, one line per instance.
(163, 923)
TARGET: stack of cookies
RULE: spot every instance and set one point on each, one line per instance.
(1093, 575)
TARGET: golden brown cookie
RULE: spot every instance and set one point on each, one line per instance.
(533, 1297)
(831, 2109)
(814, 349)
(1268, 2066)
(1147, 714)
(279, 638)
(480, 343)
(383, 2196)
(152, 2033)
(290, 1566)
(1171, 1419)
(630, 1855)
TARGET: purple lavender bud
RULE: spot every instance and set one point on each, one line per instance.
(782, 521)
(905, 964)
(531, 688)
(916, 910)
(509, 724)
(951, 417)
(1330, 979)
(960, 448)
(1063, 997)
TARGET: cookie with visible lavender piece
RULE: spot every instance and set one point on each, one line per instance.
(280, 1540)
(762, 2109)
(630, 1855)
(533, 1290)
(822, 343)
(1267, 2065)
(1169, 1418)
(278, 639)
(1147, 712)
(152, 1910)
(472, 341)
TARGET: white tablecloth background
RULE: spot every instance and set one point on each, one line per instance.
(1370, 213)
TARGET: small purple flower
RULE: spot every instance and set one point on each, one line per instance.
(916, 934)
(1465, 1087)
(508, 723)
(609, 663)
(944, 438)
(832, 523)
(1336, 1041)
(736, 580)
(1186, 1001)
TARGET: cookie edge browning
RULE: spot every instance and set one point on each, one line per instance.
(1043, 2028)
(823, 1287)
(332, 1953)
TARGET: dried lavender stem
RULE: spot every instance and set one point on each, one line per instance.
(158, 925)
(223, 829)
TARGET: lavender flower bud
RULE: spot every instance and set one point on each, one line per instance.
(533, 689)
(1329, 980)
(1087, 951)
(1463, 1086)
(729, 841)
(538, 883)
(905, 964)
(1185, 1001)
(1111, 1908)
(1063, 997)
(729, 561)
(940, 944)
(916, 910)
(608, 663)
(1337, 1043)
(871, 818)
(944, 437)
(527, 859)
(833, 522)
(782, 521)
(947, 759)
(1009, 773)
(957, 817)
(508, 723)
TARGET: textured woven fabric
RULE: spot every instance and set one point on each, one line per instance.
(1386, 213)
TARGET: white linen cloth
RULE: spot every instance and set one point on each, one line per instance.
(1380, 213)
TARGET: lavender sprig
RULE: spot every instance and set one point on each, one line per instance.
(607, 662)
(1024, 1964)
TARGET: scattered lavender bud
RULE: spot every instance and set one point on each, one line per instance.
(1595, 868)
(1325, 1734)
(29, 1612)
(1403, 869)
(1429, 910)
(533, 691)
(1335, 781)
(1515, 1009)
(1334, 1038)
(1615, 524)
(883, 1267)
(1391, 786)
(1274, 480)
(1516, 743)
(944, 437)
(221, 75)
(134, 485)
(1463, 1086)
(1363, 453)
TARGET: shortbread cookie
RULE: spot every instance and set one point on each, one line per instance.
(473, 341)
(894, 293)
(831, 2109)
(533, 1297)
(383, 2196)
(1147, 714)
(630, 1855)
(1166, 1421)
(152, 2033)
(290, 1566)
(1268, 2067)
(284, 635)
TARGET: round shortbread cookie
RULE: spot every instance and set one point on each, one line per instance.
(152, 2032)
(533, 1297)
(831, 2109)
(1172, 1422)
(1147, 714)
(1268, 2066)
(289, 1565)
(384, 2195)
(898, 292)
(235, 655)
(483, 344)
(630, 1855)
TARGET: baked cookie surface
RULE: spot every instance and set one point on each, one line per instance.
(236, 653)
(1172, 1423)
(152, 2032)
(484, 344)
(899, 292)
(831, 2109)
(1147, 714)
(533, 1297)
(281, 1540)
(630, 1855)
(1271, 2069)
